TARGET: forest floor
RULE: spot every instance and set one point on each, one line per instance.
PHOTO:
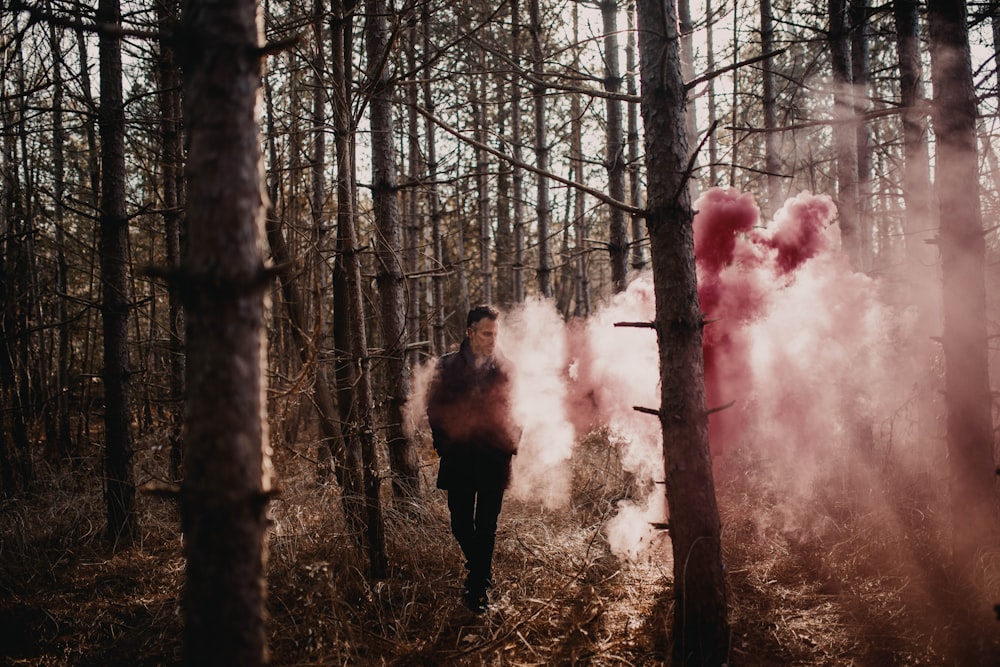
(842, 597)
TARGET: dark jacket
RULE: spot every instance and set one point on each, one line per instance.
(469, 410)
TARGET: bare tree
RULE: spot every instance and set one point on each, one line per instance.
(356, 397)
(968, 399)
(389, 268)
(916, 181)
(542, 208)
(120, 480)
(614, 157)
(227, 481)
(63, 439)
(172, 177)
(515, 139)
(635, 186)
(861, 80)
(844, 133)
(700, 627)
(433, 199)
(772, 161)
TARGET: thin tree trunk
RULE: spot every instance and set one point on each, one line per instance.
(414, 311)
(687, 73)
(542, 210)
(713, 143)
(861, 77)
(772, 163)
(700, 630)
(439, 344)
(614, 149)
(361, 421)
(120, 481)
(966, 354)
(64, 439)
(504, 236)
(172, 187)
(515, 140)
(15, 454)
(389, 271)
(352, 487)
(635, 186)
(581, 279)
(227, 480)
(918, 222)
(844, 132)
(485, 239)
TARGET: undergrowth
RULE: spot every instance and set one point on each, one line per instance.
(867, 584)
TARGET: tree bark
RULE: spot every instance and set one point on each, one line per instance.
(360, 422)
(700, 627)
(543, 211)
(389, 267)
(119, 475)
(966, 354)
(614, 149)
(635, 186)
(172, 188)
(63, 437)
(917, 192)
(515, 140)
(844, 132)
(485, 235)
(581, 277)
(438, 338)
(227, 481)
(772, 161)
(861, 78)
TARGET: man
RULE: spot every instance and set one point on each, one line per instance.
(469, 410)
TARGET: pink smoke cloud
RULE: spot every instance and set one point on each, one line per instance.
(802, 345)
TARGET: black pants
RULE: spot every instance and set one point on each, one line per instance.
(474, 517)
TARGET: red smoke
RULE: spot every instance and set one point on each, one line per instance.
(799, 343)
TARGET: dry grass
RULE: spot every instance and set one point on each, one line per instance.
(867, 587)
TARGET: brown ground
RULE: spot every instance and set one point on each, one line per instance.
(849, 595)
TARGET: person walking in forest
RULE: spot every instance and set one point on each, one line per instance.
(474, 433)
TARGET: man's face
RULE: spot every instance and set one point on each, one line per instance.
(483, 337)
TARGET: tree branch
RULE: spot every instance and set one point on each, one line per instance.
(597, 194)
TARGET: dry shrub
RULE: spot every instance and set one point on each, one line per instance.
(866, 579)
(867, 584)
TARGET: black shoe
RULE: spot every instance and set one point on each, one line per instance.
(476, 600)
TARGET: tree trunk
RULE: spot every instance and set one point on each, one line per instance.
(966, 355)
(412, 227)
(844, 133)
(713, 143)
(614, 149)
(361, 422)
(581, 279)
(918, 222)
(542, 210)
(515, 140)
(64, 439)
(700, 627)
(172, 188)
(687, 73)
(227, 480)
(635, 186)
(861, 78)
(15, 448)
(389, 271)
(120, 482)
(772, 161)
(438, 338)
(485, 236)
